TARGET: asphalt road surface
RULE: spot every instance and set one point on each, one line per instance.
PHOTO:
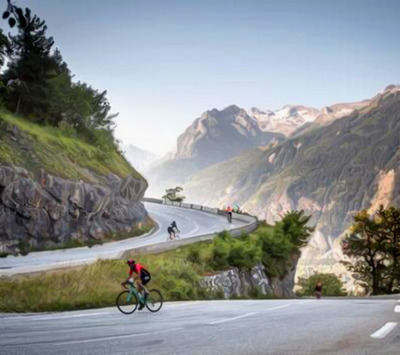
(190, 222)
(301, 326)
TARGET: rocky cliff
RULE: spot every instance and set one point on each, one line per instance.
(53, 212)
(58, 191)
(254, 282)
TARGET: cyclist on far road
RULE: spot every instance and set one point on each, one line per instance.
(229, 214)
(171, 230)
(142, 279)
(318, 289)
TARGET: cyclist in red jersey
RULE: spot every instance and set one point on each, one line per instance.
(143, 277)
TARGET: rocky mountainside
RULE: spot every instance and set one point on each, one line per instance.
(330, 172)
(220, 135)
(58, 191)
(212, 138)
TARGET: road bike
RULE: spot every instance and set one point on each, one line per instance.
(127, 301)
(177, 236)
(229, 217)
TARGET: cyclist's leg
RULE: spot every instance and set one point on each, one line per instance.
(170, 231)
(141, 286)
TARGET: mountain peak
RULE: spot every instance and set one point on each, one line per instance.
(391, 87)
(231, 109)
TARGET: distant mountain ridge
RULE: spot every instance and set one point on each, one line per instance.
(219, 135)
(285, 120)
(330, 172)
(212, 138)
(292, 117)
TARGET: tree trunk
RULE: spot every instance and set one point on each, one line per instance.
(375, 283)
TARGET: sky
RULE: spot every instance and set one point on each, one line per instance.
(163, 63)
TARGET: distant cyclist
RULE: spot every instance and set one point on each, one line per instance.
(318, 289)
(171, 230)
(229, 214)
(142, 279)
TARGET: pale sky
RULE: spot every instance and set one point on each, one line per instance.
(165, 62)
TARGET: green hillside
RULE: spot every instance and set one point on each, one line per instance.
(58, 151)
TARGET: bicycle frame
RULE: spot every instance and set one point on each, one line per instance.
(132, 289)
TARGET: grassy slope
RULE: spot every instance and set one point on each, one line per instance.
(58, 151)
(97, 285)
(176, 273)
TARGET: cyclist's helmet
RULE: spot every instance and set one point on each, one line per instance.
(131, 262)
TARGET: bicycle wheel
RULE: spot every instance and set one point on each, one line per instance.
(154, 301)
(126, 303)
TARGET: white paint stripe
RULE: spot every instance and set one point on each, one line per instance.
(279, 307)
(230, 319)
(114, 337)
(385, 330)
(397, 309)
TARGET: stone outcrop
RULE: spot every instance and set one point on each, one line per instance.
(237, 283)
(45, 211)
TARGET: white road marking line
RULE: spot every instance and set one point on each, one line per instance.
(385, 330)
(114, 337)
(230, 319)
(279, 307)
(397, 309)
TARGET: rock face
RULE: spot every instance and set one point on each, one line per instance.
(234, 282)
(47, 211)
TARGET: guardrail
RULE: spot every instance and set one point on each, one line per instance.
(251, 225)
(238, 216)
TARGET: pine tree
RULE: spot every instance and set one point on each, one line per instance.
(30, 66)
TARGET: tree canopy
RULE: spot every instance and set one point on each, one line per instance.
(373, 246)
(38, 85)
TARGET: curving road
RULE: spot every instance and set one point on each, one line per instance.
(302, 326)
(190, 222)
